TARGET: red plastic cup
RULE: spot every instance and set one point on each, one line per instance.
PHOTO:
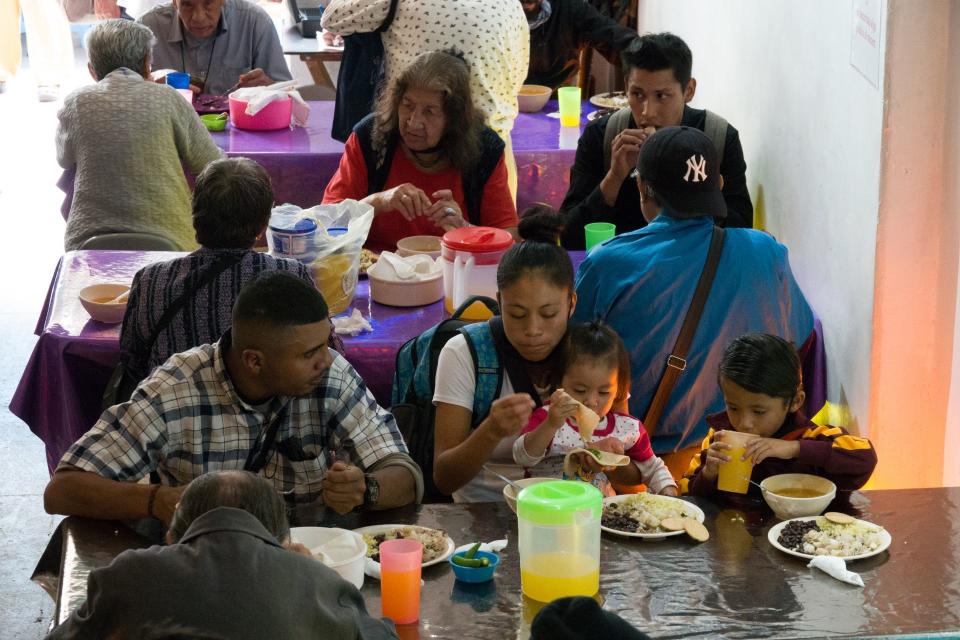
(400, 580)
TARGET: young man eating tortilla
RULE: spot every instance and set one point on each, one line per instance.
(659, 87)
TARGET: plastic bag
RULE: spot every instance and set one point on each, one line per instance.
(330, 247)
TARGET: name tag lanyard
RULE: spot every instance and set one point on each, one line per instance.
(183, 62)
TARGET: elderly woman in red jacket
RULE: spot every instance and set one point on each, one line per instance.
(424, 159)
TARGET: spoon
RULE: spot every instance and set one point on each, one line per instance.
(517, 488)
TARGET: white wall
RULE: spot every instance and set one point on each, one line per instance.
(811, 130)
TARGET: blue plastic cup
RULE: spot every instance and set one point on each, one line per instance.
(178, 80)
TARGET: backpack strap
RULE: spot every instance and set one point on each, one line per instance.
(486, 368)
(616, 123)
(716, 129)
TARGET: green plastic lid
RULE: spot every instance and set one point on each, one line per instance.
(559, 502)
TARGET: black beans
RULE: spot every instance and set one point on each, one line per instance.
(791, 536)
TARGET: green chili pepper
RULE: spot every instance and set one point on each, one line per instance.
(473, 563)
(473, 551)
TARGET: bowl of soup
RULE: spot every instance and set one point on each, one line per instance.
(105, 302)
(796, 495)
(533, 97)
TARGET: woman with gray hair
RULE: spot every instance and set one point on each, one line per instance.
(129, 140)
(425, 160)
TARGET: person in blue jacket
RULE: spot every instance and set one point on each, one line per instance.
(641, 283)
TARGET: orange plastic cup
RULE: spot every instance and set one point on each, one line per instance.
(400, 580)
(734, 476)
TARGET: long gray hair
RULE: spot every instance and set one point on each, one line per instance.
(112, 44)
(449, 73)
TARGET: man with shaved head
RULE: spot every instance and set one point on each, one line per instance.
(269, 397)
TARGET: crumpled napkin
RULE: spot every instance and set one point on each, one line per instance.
(837, 568)
(353, 324)
(259, 97)
(393, 267)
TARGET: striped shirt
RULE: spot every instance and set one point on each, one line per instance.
(188, 419)
(206, 314)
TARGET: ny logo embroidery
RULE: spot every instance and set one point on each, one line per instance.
(698, 167)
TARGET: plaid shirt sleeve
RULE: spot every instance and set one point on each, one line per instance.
(362, 426)
(124, 444)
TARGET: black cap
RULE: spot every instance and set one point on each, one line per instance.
(680, 163)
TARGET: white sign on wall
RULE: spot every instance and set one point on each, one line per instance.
(866, 38)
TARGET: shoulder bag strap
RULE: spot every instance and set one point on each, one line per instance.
(676, 361)
(389, 19)
(716, 129)
(219, 266)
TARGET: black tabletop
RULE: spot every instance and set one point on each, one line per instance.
(736, 585)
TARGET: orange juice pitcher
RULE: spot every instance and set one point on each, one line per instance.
(559, 539)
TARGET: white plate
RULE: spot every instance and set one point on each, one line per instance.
(381, 528)
(610, 100)
(688, 508)
(775, 530)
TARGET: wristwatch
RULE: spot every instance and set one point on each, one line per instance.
(371, 495)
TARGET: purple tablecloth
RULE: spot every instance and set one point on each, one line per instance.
(301, 161)
(59, 395)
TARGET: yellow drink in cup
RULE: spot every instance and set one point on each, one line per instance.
(569, 99)
(734, 476)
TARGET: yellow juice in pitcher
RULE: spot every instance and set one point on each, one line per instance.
(548, 576)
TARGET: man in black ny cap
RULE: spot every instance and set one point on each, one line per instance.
(642, 283)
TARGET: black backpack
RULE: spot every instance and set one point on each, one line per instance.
(361, 70)
(415, 376)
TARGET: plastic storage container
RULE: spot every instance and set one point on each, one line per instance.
(275, 115)
(470, 257)
(559, 539)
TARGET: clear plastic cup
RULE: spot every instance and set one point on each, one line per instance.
(400, 580)
(569, 98)
(734, 476)
(597, 232)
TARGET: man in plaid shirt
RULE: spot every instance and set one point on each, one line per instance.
(268, 397)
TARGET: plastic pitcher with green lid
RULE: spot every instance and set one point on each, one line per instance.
(559, 527)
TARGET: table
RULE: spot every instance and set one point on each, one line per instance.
(313, 51)
(59, 395)
(736, 585)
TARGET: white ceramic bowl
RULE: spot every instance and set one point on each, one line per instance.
(419, 245)
(94, 298)
(511, 497)
(533, 97)
(413, 293)
(349, 565)
(785, 507)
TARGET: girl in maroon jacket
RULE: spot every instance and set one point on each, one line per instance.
(760, 380)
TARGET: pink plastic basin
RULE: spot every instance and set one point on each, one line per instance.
(275, 115)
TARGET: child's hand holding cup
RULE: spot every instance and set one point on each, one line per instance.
(733, 475)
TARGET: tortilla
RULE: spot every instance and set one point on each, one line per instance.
(838, 518)
(587, 422)
(571, 468)
(696, 530)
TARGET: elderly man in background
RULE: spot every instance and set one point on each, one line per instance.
(225, 573)
(492, 34)
(558, 30)
(222, 44)
(129, 141)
